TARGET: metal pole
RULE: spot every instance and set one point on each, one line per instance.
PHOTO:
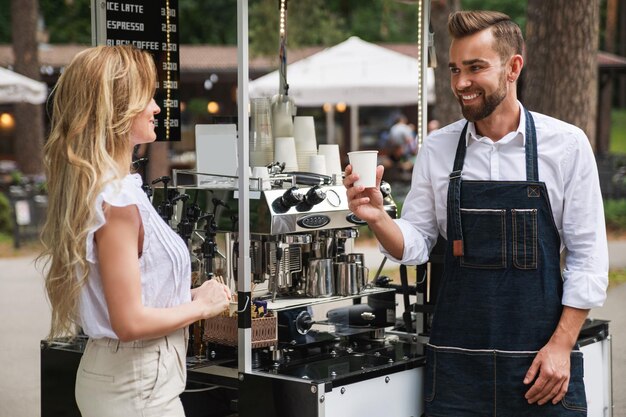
(354, 128)
(330, 125)
(244, 264)
(423, 18)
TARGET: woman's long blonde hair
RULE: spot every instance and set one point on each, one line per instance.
(94, 104)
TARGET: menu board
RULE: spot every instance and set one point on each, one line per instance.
(151, 25)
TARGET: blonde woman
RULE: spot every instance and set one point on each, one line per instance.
(115, 268)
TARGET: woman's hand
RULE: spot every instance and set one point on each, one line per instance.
(366, 203)
(213, 296)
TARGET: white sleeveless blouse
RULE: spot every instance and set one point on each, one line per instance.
(164, 262)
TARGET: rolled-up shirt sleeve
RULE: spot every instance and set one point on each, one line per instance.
(418, 222)
(585, 274)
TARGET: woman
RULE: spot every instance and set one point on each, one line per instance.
(115, 268)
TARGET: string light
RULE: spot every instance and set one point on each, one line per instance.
(282, 17)
(420, 59)
(168, 90)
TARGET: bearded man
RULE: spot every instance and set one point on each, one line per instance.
(510, 190)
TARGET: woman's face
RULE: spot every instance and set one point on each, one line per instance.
(142, 130)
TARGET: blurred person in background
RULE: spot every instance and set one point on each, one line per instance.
(403, 133)
(116, 269)
(432, 125)
(511, 191)
(397, 152)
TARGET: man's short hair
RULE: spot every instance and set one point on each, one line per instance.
(507, 34)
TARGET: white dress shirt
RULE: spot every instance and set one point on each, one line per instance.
(566, 165)
(164, 264)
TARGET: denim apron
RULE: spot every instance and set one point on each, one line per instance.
(500, 300)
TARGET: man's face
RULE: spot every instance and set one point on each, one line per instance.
(477, 75)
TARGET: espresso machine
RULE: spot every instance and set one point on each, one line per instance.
(329, 319)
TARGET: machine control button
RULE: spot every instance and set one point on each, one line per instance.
(314, 221)
(354, 219)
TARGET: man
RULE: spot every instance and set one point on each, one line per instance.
(510, 191)
(401, 134)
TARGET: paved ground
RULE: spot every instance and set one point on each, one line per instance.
(25, 316)
(24, 321)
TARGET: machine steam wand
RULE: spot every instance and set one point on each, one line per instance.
(209, 246)
(165, 208)
(184, 226)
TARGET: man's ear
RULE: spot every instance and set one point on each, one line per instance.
(514, 69)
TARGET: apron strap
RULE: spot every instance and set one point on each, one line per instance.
(532, 169)
(454, 195)
(454, 189)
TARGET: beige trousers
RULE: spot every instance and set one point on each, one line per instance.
(142, 378)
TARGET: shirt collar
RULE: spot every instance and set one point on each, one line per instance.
(520, 132)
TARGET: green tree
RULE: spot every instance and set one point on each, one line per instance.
(5, 22)
(212, 22)
(308, 23)
(67, 21)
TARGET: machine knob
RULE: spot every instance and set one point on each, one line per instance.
(385, 189)
(304, 322)
(368, 316)
(291, 197)
(315, 196)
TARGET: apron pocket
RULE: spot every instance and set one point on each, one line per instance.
(524, 225)
(511, 369)
(484, 238)
(458, 382)
(575, 398)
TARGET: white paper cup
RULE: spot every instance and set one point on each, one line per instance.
(263, 175)
(364, 164)
(317, 164)
(333, 161)
(304, 133)
(260, 172)
(285, 151)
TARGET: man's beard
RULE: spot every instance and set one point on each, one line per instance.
(478, 112)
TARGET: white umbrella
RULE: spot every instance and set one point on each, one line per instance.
(16, 88)
(354, 72)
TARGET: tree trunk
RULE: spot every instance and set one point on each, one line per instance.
(605, 100)
(447, 108)
(561, 59)
(622, 51)
(29, 122)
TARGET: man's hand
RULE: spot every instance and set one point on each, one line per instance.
(552, 364)
(366, 203)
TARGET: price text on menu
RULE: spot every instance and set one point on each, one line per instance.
(152, 25)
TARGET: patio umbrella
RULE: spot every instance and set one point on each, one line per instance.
(354, 72)
(16, 88)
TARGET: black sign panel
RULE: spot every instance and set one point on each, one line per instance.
(152, 25)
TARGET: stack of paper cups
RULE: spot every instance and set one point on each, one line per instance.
(317, 164)
(333, 161)
(306, 143)
(285, 151)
